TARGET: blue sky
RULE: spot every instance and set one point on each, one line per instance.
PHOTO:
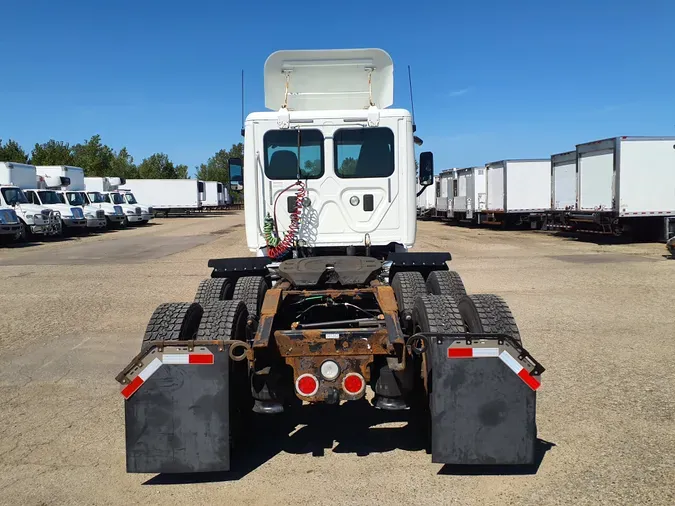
(492, 79)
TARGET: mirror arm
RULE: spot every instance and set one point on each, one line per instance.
(422, 190)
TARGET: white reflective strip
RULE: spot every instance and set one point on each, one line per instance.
(176, 358)
(150, 369)
(485, 352)
(511, 362)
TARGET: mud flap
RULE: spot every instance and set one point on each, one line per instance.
(482, 412)
(177, 421)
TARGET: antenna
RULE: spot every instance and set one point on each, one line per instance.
(412, 103)
(242, 103)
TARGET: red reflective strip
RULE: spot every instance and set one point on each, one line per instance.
(529, 380)
(200, 359)
(131, 388)
(460, 352)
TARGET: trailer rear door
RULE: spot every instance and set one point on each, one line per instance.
(596, 180)
(647, 177)
(565, 185)
(495, 188)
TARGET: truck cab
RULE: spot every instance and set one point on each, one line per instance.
(72, 218)
(147, 212)
(34, 218)
(114, 214)
(331, 142)
(132, 213)
(68, 182)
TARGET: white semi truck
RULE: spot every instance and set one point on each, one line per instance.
(169, 195)
(107, 189)
(332, 301)
(34, 218)
(68, 182)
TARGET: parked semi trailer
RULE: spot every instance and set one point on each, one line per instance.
(333, 302)
(35, 219)
(68, 182)
(469, 194)
(169, 195)
(518, 192)
(625, 185)
(426, 199)
(216, 195)
(563, 190)
(444, 193)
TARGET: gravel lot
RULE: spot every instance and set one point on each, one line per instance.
(598, 317)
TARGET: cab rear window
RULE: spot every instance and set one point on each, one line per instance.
(285, 148)
(364, 152)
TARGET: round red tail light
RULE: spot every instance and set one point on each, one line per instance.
(307, 384)
(354, 383)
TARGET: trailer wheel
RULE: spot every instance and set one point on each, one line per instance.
(407, 287)
(213, 289)
(446, 283)
(251, 289)
(172, 321)
(223, 320)
(489, 314)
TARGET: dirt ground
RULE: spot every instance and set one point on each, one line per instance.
(598, 317)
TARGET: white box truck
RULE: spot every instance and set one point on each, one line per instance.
(71, 191)
(43, 193)
(518, 192)
(626, 185)
(34, 218)
(469, 194)
(167, 195)
(108, 189)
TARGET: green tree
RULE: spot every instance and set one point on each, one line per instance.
(216, 168)
(348, 166)
(12, 152)
(123, 165)
(182, 171)
(52, 153)
(94, 157)
(158, 166)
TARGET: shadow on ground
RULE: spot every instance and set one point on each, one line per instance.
(353, 426)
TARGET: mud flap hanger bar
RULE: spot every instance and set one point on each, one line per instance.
(178, 352)
(474, 345)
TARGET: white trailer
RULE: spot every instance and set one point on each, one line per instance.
(518, 192)
(469, 193)
(426, 200)
(444, 193)
(68, 182)
(215, 197)
(626, 185)
(564, 181)
(167, 195)
(34, 218)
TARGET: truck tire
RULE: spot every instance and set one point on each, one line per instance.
(486, 313)
(446, 283)
(223, 320)
(172, 321)
(213, 289)
(251, 289)
(437, 313)
(407, 287)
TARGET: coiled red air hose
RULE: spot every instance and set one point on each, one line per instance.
(286, 243)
